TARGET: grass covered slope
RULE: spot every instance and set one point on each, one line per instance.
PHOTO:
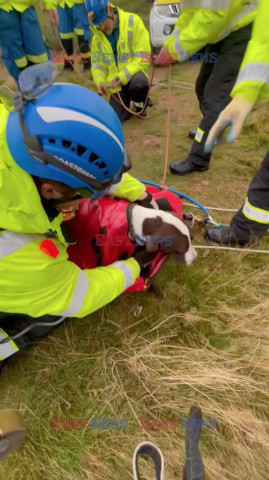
(205, 342)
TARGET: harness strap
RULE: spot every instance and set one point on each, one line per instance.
(154, 453)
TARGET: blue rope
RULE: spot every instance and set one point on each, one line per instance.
(188, 198)
(177, 193)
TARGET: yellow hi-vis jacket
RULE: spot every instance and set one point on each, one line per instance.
(205, 22)
(133, 50)
(21, 5)
(68, 3)
(32, 282)
(253, 79)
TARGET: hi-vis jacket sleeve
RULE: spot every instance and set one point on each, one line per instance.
(128, 188)
(34, 283)
(140, 61)
(253, 79)
(193, 34)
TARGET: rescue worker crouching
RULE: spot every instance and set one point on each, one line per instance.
(65, 145)
(120, 56)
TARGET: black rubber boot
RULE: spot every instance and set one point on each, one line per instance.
(185, 167)
(226, 236)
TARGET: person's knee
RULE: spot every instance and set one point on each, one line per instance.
(138, 87)
(139, 81)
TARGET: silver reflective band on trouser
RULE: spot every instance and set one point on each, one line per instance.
(254, 72)
(78, 295)
(246, 10)
(127, 272)
(254, 213)
(10, 242)
(208, 4)
(6, 349)
(180, 51)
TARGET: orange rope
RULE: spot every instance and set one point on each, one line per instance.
(162, 183)
(121, 102)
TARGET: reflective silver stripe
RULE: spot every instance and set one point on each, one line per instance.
(127, 74)
(78, 295)
(175, 32)
(208, 4)
(10, 242)
(246, 10)
(6, 349)
(180, 51)
(130, 40)
(254, 213)
(254, 72)
(131, 21)
(98, 67)
(127, 272)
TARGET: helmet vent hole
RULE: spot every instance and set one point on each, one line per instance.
(51, 140)
(93, 157)
(81, 150)
(102, 165)
(66, 143)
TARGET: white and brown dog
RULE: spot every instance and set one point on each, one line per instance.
(159, 230)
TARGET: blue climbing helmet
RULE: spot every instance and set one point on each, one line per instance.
(97, 10)
(67, 133)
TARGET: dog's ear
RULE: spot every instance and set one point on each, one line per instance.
(151, 226)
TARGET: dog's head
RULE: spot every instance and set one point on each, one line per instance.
(164, 231)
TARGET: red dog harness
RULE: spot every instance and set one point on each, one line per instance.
(101, 231)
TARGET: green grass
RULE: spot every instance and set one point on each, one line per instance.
(205, 342)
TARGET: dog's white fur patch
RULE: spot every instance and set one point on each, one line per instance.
(139, 214)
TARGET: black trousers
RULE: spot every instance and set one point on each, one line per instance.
(258, 196)
(136, 90)
(84, 47)
(215, 83)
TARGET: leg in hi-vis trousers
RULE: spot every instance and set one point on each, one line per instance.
(21, 40)
(252, 220)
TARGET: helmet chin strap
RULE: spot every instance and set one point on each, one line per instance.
(59, 201)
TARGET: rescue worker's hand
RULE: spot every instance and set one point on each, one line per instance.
(101, 89)
(164, 58)
(53, 17)
(116, 83)
(233, 117)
